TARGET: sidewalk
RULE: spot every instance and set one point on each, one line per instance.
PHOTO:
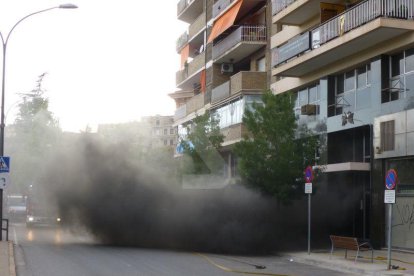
(403, 261)
(7, 266)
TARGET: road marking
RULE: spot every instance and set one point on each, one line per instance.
(226, 269)
(16, 241)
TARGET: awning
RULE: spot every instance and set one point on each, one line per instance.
(185, 52)
(203, 81)
(225, 21)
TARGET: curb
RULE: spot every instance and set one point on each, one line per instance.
(342, 267)
(336, 267)
(12, 264)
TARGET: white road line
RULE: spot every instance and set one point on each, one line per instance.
(16, 241)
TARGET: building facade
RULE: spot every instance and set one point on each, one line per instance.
(225, 62)
(152, 132)
(350, 65)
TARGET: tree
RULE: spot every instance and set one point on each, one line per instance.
(272, 158)
(32, 137)
(202, 145)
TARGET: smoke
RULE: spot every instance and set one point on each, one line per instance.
(125, 202)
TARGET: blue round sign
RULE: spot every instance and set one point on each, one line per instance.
(391, 179)
(308, 174)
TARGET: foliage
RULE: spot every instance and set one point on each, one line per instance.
(273, 157)
(201, 145)
(32, 137)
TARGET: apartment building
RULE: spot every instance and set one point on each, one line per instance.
(225, 62)
(350, 65)
(149, 133)
(162, 131)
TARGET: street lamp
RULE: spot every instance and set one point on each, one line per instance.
(2, 124)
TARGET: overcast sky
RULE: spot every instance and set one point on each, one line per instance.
(106, 62)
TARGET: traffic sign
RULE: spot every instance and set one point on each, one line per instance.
(4, 164)
(389, 196)
(308, 188)
(391, 179)
(308, 174)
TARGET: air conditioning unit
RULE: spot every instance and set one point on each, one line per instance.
(226, 68)
(309, 109)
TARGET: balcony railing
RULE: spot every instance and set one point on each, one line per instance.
(248, 81)
(279, 5)
(180, 112)
(181, 41)
(359, 15)
(220, 92)
(182, 4)
(195, 103)
(220, 6)
(197, 63)
(197, 25)
(241, 34)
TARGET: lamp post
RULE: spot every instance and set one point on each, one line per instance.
(2, 124)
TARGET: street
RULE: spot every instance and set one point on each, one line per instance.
(44, 251)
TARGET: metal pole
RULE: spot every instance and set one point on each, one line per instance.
(2, 124)
(309, 222)
(389, 235)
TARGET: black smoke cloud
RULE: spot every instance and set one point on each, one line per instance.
(122, 202)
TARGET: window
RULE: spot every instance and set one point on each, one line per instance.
(157, 122)
(362, 77)
(307, 101)
(401, 76)
(171, 131)
(165, 142)
(397, 64)
(409, 60)
(261, 64)
(387, 130)
(165, 131)
(349, 83)
(352, 90)
(233, 112)
(171, 142)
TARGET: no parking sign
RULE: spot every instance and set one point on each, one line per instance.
(391, 180)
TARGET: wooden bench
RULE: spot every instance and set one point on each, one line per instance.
(350, 243)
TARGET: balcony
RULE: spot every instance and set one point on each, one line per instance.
(198, 25)
(181, 42)
(279, 5)
(191, 73)
(233, 134)
(367, 25)
(242, 42)
(244, 81)
(220, 92)
(297, 12)
(248, 81)
(195, 103)
(189, 10)
(221, 6)
(180, 112)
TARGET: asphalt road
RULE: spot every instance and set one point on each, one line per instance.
(56, 252)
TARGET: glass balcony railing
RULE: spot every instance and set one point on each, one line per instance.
(337, 26)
